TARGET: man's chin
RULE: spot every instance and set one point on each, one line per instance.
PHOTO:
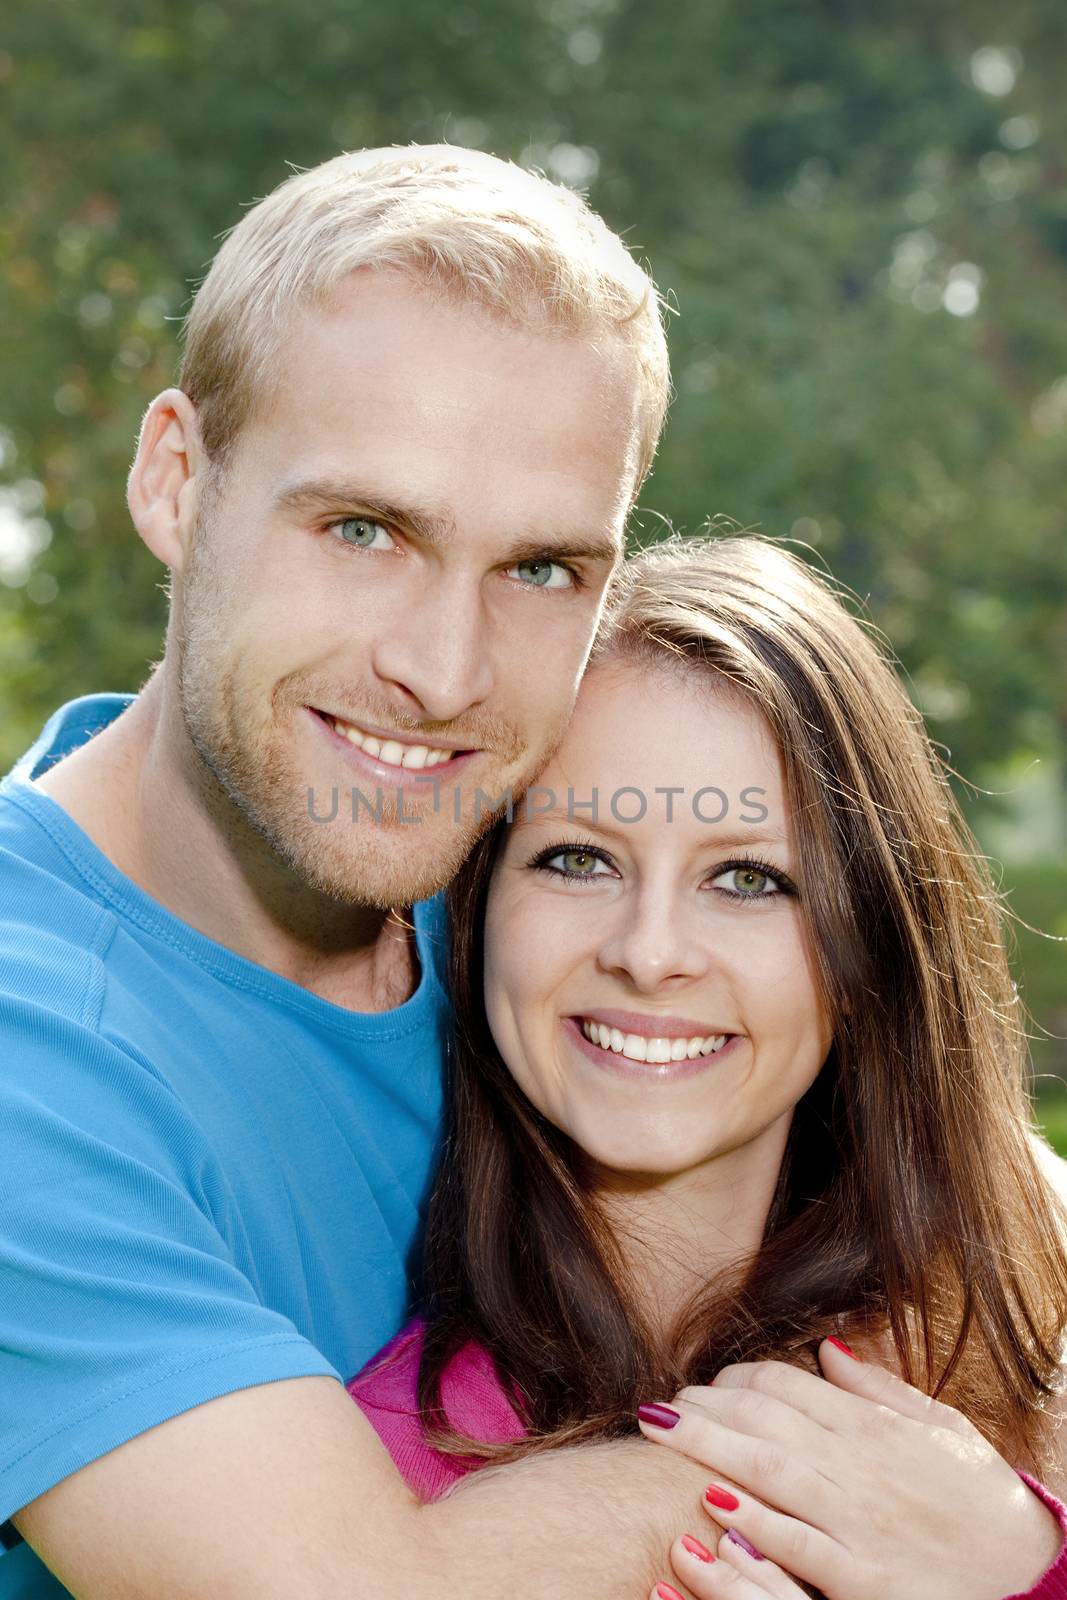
(386, 869)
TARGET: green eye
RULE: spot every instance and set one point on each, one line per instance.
(580, 862)
(543, 574)
(364, 532)
(749, 882)
(574, 862)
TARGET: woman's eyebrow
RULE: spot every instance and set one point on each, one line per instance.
(735, 841)
(577, 815)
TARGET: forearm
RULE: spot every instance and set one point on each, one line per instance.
(589, 1523)
(284, 1489)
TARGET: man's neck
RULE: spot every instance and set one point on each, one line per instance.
(143, 799)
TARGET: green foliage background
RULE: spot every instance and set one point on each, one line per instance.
(859, 211)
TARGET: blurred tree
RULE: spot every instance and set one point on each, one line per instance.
(861, 214)
(859, 211)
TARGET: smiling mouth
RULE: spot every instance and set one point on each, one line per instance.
(392, 752)
(637, 1047)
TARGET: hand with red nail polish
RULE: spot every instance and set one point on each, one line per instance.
(721, 1498)
(658, 1416)
(857, 1484)
(711, 1575)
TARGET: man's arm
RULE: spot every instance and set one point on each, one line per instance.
(285, 1490)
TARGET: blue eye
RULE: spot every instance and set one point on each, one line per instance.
(543, 574)
(363, 532)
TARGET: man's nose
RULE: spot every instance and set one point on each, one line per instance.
(652, 940)
(437, 657)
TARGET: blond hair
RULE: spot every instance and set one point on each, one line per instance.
(476, 228)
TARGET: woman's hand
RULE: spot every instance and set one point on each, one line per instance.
(733, 1572)
(861, 1486)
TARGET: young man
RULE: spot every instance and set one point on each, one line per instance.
(420, 391)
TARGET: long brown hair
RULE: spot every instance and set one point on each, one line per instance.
(910, 1202)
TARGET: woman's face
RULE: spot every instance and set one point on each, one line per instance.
(648, 982)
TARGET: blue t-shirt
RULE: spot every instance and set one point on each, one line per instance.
(210, 1178)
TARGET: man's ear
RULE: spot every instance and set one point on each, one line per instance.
(163, 482)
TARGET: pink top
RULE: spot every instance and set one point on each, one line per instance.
(473, 1400)
(1053, 1586)
(476, 1404)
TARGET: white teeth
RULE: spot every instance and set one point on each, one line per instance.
(391, 751)
(657, 1051)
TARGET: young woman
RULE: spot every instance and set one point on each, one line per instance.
(739, 1065)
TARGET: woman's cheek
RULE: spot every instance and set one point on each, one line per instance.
(773, 966)
(530, 955)
(513, 980)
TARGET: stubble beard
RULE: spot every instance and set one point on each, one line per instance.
(249, 781)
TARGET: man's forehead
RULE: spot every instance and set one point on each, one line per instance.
(377, 318)
(412, 421)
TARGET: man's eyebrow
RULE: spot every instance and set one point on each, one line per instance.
(435, 528)
(320, 494)
(564, 547)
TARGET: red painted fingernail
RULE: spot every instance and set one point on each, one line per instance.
(722, 1498)
(839, 1344)
(658, 1416)
(665, 1592)
(695, 1548)
(742, 1544)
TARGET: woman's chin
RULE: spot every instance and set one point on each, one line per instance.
(643, 1157)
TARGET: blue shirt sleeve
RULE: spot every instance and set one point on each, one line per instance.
(120, 1302)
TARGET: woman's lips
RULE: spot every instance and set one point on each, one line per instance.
(621, 1066)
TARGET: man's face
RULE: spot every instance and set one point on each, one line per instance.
(397, 584)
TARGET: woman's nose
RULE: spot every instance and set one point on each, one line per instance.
(653, 942)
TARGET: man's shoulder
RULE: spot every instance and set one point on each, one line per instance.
(42, 885)
(53, 930)
(70, 726)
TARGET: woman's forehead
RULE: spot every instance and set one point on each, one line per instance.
(649, 746)
(679, 711)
